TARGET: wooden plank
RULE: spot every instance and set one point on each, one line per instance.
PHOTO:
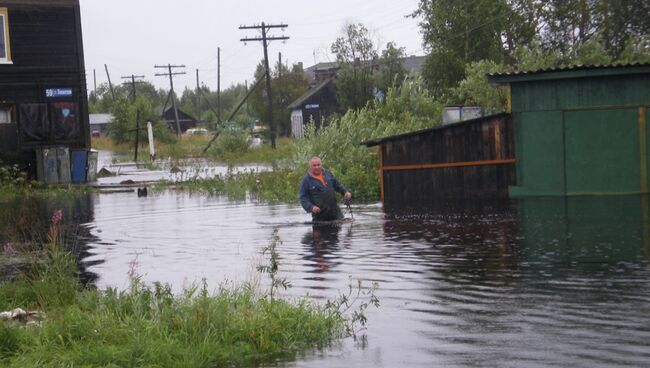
(446, 165)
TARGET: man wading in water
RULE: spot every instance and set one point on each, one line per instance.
(318, 193)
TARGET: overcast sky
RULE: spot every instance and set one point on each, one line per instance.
(131, 36)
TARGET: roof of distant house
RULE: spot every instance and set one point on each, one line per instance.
(96, 119)
(312, 91)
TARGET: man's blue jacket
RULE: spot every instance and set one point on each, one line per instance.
(312, 185)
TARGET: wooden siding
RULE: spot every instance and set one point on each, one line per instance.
(469, 160)
(47, 52)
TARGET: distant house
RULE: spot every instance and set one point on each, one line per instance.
(43, 100)
(185, 120)
(313, 105)
(100, 124)
(320, 100)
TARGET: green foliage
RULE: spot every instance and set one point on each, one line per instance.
(272, 268)
(274, 186)
(286, 86)
(526, 35)
(103, 101)
(475, 89)
(339, 145)
(11, 178)
(230, 142)
(127, 114)
(150, 326)
(391, 72)
(355, 53)
(405, 109)
(461, 32)
(204, 103)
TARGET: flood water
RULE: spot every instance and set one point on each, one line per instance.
(526, 283)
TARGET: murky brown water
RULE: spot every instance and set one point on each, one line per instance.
(530, 283)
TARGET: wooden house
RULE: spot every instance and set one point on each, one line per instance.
(320, 100)
(314, 105)
(185, 120)
(43, 98)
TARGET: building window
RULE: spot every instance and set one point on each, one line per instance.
(5, 115)
(5, 52)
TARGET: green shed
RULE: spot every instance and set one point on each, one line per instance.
(580, 130)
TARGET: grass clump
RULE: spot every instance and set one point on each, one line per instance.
(273, 186)
(151, 326)
(405, 109)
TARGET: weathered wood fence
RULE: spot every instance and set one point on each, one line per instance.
(469, 160)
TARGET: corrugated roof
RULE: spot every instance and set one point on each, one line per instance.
(573, 71)
(378, 141)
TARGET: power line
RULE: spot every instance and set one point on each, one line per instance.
(171, 91)
(132, 77)
(265, 39)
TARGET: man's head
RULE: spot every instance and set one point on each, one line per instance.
(315, 167)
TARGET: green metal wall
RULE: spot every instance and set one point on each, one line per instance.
(582, 135)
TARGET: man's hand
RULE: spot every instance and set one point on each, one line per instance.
(347, 196)
(315, 210)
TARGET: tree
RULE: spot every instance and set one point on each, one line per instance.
(355, 54)
(125, 118)
(567, 24)
(460, 32)
(103, 101)
(391, 72)
(287, 85)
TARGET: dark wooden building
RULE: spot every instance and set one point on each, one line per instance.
(474, 159)
(314, 105)
(43, 98)
(185, 120)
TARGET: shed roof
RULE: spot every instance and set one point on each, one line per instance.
(568, 72)
(378, 141)
(305, 96)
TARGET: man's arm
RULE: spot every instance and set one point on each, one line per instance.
(303, 196)
(340, 188)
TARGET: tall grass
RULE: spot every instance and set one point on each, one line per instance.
(150, 326)
(339, 145)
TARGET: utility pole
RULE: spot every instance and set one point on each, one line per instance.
(198, 100)
(133, 82)
(265, 28)
(110, 85)
(132, 77)
(171, 91)
(95, 82)
(280, 77)
(218, 85)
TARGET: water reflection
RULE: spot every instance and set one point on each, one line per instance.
(322, 242)
(25, 222)
(526, 283)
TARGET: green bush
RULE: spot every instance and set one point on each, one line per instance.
(229, 142)
(338, 144)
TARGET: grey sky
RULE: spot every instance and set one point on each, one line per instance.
(131, 36)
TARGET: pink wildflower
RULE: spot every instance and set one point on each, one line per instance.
(9, 249)
(133, 267)
(57, 217)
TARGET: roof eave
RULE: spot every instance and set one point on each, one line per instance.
(584, 72)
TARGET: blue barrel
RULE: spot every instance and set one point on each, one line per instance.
(79, 161)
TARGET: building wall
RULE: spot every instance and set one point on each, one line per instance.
(582, 135)
(46, 53)
(469, 160)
